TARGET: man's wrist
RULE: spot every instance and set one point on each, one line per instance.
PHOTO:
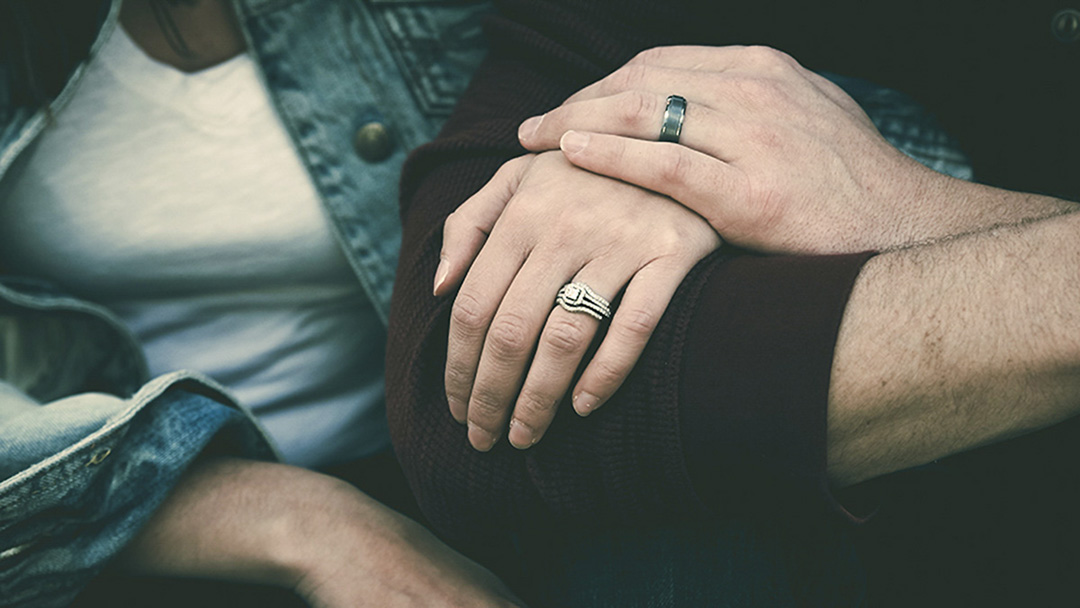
(936, 207)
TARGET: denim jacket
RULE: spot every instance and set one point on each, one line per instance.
(89, 444)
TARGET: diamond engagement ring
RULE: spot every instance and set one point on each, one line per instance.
(579, 297)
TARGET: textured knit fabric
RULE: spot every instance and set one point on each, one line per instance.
(626, 463)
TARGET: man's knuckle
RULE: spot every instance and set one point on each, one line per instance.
(753, 89)
(628, 77)
(647, 56)
(764, 56)
(780, 62)
(635, 109)
(674, 166)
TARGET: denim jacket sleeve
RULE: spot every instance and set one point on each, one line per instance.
(81, 475)
(88, 446)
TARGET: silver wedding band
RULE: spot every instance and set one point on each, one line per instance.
(674, 114)
(579, 297)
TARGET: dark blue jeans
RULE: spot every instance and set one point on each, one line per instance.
(729, 563)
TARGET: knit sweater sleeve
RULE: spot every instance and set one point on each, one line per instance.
(726, 407)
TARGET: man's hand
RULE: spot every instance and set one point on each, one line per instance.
(541, 223)
(280, 525)
(775, 157)
(945, 347)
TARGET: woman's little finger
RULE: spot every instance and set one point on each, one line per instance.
(646, 298)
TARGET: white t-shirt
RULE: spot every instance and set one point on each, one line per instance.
(178, 201)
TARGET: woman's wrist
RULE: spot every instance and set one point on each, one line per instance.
(352, 551)
(340, 531)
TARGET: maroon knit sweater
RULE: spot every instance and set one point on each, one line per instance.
(726, 408)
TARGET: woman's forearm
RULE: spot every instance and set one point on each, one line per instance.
(241, 520)
(237, 520)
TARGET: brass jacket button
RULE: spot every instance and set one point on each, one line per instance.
(1066, 25)
(373, 142)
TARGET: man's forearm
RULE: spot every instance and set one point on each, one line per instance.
(955, 345)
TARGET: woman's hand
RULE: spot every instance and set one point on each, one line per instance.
(274, 524)
(539, 224)
(775, 157)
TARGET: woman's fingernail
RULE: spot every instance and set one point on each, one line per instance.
(529, 127)
(521, 436)
(440, 276)
(457, 410)
(481, 439)
(573, 142)
(584, 403)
